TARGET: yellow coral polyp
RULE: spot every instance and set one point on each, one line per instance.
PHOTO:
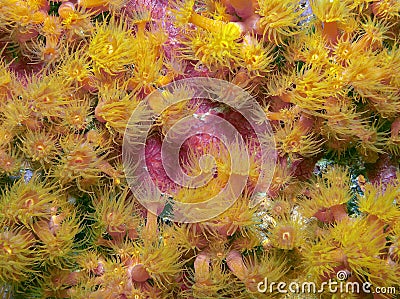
(149, 62)
(75, 22)
(386, 9)
(381, 203)
(75, 67)
(57, 242)
(26, 203)
(312, 86)
(76, 115)
(115, 109)
(328, 191)
(23, 14)
(172, 114)
(6, 79)
(161, 261)
(288, 234)
(110, 47)
(79, 162)
(47, 52)
(39, 146)
(184, 13)
(356, 250)
(93, 3)
(210, 281)
(269, 266)
(215, 49)
(200, 194)
(10, 161)
(345, 50)
(281, 179)
(113, 5)
(114, 213)
(15, 246)
(255, 56)
(311, 49)
(296, 143)
(375, 31)
(47, 95)
(218, 11)
(279, 19)
(238, 217)
(52, 26)
(342, 123)
(371, 143)
(329, 11)
(145, 75)
(367, 76)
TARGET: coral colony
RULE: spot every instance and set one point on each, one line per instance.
(79, 82)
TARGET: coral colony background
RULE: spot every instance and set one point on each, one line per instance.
(199, 149)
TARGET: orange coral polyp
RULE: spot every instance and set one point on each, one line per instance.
(93, 3)
(210, 24)
(80, 159)
(65, 9)
(331, 32)
(111, 48)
